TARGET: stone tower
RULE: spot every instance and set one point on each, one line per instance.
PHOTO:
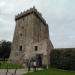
(31, 39)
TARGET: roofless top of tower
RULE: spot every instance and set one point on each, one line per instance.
(29, 11)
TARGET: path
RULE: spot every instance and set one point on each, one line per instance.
(10, 71)
(18, 72)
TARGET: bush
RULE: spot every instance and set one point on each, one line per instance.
(64, 59)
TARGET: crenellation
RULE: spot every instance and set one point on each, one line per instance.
(31, 10)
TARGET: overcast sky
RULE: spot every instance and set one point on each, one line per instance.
(59, 14)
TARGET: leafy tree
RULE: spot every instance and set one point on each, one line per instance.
(5, 48)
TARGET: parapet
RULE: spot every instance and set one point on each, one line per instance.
(29, 11)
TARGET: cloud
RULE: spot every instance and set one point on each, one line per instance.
(59, 14)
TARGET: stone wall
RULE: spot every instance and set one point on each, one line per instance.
(31, 31)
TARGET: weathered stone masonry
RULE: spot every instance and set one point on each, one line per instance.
(31, 38)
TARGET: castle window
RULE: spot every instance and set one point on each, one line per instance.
(36, 48)
(20, 34)
(20, 48)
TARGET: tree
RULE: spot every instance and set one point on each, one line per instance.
(5, 48)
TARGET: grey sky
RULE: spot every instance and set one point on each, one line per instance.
(59, 14)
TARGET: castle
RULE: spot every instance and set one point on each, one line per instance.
(31, 39)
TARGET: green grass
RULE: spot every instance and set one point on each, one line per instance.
(51, 72)
(9, 66)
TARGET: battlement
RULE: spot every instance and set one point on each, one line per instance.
(29, 11)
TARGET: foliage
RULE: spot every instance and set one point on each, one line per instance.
(5, 48)
(64, 59)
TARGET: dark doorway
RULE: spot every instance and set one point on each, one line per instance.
(39, 60)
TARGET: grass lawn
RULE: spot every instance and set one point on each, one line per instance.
(51, 72)
(9, 66)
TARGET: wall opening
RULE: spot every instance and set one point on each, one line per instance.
(36, 48)
(20, 34)
(20, 48)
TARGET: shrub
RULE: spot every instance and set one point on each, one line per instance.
(64, 59)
